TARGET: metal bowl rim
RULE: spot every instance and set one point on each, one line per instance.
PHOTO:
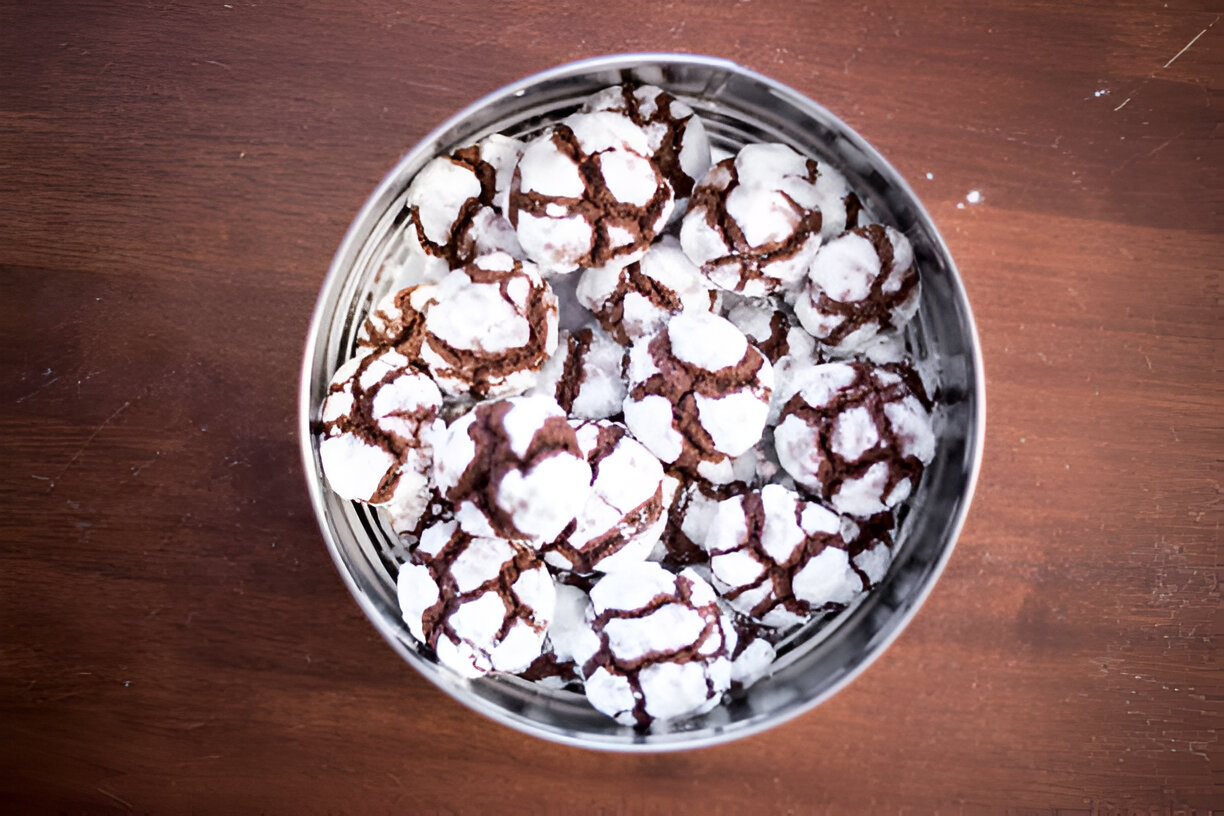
(336, 275)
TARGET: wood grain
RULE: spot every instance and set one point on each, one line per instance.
(174, 178)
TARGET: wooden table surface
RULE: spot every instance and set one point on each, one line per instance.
(174, 178)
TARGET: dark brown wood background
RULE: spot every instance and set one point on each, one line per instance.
(174, 178)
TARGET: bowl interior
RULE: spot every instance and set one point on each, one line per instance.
(737, 106)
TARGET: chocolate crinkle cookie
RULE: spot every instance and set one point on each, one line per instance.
(454, 212)
(635, 301)
(656, 645)
(378, 424)
(698, 394)
(489, 328)
(857, 435)
(485, 330)
(588, 193)
(756, 220)
(482, 604)
(779, 559)
(513, 468)
(676, 136)
(860, 284)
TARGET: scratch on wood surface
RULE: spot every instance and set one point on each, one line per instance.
(853, 56)
(222, 64)
(42, 387)
(138, 468)
(1128, 162)
(1164, 144)
(1195, 39)
(1172, 59)
(121, 801)
(91, 438)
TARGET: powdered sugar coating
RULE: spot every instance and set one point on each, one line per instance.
(754, 222)
(733, 421)
(706, 341)
(438, 195)
(873, 562)
(839, 206)
(652, 421)
(698, 394)
(524, 494)
(828, 580)
(379, 421)
(410, 514)
(659, 646)
(636, 300)
(513, 468)
(585, 374)
(860, 284)
(885, 348)
(588, 193)
(857, 435)
(623, 515)
(398, 321)
(770, 328)
(688, 521)
(569, 621)
(792, 373)
(753, 662)
(502, 153)
(482, 604)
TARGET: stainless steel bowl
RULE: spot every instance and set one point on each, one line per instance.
(738, 106)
